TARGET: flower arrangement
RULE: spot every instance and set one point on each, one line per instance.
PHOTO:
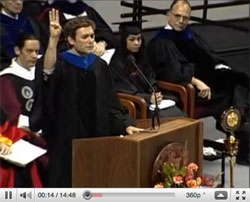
(186, 176)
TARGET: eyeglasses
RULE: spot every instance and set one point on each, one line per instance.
(179, 17)
(15, 0)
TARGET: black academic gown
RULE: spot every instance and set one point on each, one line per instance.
(102, 32)
(127, 80)
(16, 99)
(178, 56)
(80, 104)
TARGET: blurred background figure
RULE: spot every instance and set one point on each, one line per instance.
(68, 9)
(13, 22)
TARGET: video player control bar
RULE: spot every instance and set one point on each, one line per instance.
(124, 195)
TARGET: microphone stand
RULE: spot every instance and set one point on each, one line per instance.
(156, 110)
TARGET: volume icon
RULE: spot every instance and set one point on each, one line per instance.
(26, 195)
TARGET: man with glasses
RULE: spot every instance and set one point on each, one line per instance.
(179, 55)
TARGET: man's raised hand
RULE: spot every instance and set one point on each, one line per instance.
(55, 27)
(55, 32)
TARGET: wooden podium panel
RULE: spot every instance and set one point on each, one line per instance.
(128, 161)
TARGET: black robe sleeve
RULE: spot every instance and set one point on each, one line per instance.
(125, 83)
(198, 51)
(211, 55)
(121, 83)
(38, 117)
(168, 63)
(119, 120)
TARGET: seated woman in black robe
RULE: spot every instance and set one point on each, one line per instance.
(127, 79)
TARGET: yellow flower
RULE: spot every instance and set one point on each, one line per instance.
(191, 184)
(5, 140)
(198, 181)
(159, 186)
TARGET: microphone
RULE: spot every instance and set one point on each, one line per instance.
(131, 58)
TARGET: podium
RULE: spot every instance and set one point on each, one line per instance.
(127, 162)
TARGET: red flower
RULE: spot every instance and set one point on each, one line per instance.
(178, 179)
(193, 167)
(207, 181)
(189, 175)
(186, 176)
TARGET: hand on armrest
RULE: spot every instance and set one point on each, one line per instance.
(204, 89)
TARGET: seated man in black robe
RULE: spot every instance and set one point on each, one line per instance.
(81, 100)
(126, 77)
(17, 86)
(179, 55)
(13, 23)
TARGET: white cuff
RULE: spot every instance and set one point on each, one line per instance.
(23, 121)
(221, 66)
(48, 71)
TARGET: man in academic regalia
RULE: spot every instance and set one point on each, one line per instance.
(81, 100)
(16, 99)
(13, 23)
(179, 55)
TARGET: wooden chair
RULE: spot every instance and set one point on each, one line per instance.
(130, 106)
(190, 100)
(180, 90)
(141, 105)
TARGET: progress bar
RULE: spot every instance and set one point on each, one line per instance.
(132, 195)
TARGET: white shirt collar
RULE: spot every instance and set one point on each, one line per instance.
(19, 71)
(69, 16)
(168, 27)
(4, 13)
(50, 2)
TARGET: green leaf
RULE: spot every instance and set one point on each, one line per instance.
(182, 171)
(167, 184)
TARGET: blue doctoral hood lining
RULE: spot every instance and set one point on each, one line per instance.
(185, 35)
(82, 62)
